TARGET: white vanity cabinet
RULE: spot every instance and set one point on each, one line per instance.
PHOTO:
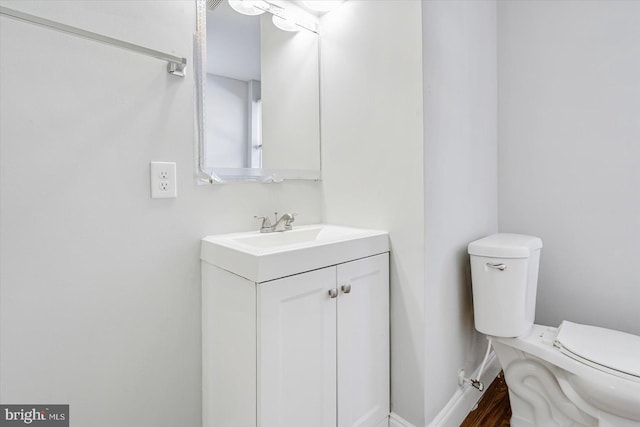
(306, 350)
(317, 352)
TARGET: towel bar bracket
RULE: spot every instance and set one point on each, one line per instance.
(176, 68)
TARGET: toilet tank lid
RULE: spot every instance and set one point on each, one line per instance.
(505, 245)
(608, 348)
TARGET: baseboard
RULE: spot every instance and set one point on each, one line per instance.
(465, 398)
(397, 421)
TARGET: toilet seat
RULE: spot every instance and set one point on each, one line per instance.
(611, 351)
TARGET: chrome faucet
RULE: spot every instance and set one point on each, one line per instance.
(282, 224)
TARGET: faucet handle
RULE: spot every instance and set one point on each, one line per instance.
(288, 218)
(265, 221)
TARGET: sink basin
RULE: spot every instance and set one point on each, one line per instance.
(274, 240)
(260, 257)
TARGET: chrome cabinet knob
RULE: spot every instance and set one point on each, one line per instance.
(346, 288)
(333, 293)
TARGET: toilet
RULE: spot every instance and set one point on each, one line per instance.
(572, 375)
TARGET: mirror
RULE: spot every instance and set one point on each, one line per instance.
(258, 90)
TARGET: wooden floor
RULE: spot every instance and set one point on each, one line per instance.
(493, 409)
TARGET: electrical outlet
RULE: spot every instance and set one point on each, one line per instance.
(163, 180)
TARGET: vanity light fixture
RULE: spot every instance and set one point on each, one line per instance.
(281, 18)
(322, 5)
(249, 7)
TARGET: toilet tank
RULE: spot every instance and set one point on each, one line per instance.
(504, 276)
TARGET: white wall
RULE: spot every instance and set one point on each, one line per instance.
(99, 284)
(235, 38)
(460, 162)
(569, 151)
(372, 161)
(290, 92)
(227, 121)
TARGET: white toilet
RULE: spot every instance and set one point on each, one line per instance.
(569, 376)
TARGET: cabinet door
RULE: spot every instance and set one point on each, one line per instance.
(363, 342)
(297, 351)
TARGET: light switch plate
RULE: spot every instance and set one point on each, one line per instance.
(163, 180)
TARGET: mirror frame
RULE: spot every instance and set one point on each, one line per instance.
(210, 175)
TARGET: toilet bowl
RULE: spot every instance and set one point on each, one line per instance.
(570, 376)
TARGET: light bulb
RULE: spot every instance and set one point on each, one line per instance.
(285, 24)
(247, 7)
